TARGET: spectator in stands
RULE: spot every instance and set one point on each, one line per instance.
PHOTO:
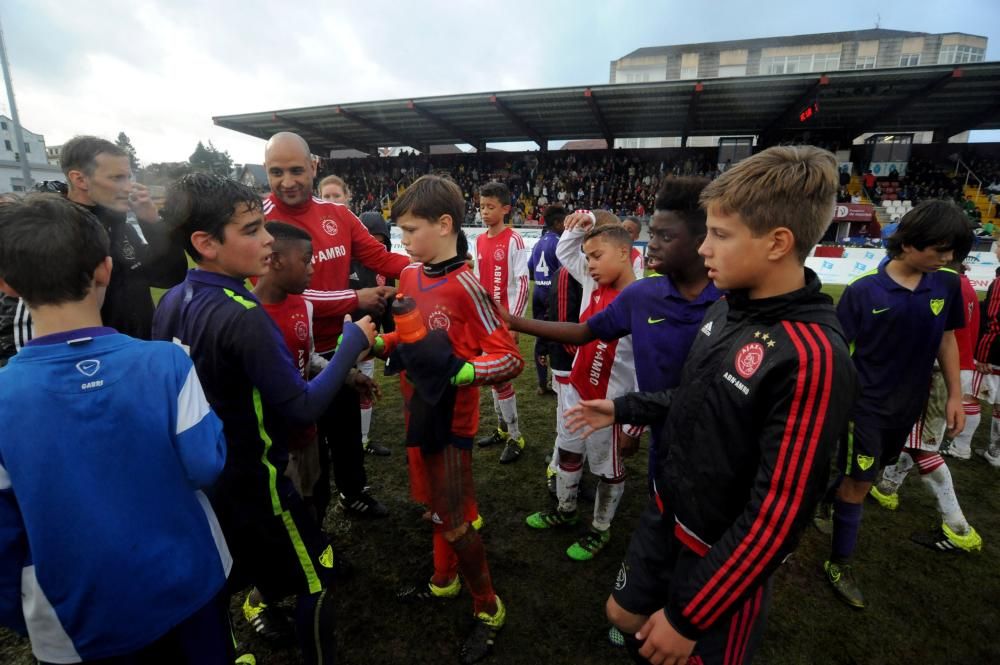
(845, 177)
(869, 179)
(843, 196)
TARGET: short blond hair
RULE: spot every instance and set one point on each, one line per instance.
(605, 218)
(794, 187)
(335, 180)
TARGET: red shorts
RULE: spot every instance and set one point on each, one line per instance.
(443, 482)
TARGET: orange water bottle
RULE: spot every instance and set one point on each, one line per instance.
(409, 323)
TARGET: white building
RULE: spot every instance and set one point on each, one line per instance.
(10, 158)
(821, 53)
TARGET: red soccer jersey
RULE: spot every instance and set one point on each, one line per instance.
(966, 337)
(293, 317)
(338, 236)
(502, 268)
(456, 302)
(638, 265)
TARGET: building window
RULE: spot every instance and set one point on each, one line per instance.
(7, 145)
(732, 70)
(865, 62)
(954, 54)
(689, 72)
(795, 64)
(27, 147)
(909, 60)
(3, 125)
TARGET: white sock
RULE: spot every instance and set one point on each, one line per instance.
(893, 476)
(366, 424)
(609, 495)
(501, 425)
(508, 411)
(995, 430)
(567, 485)
(554, 462)
(962, 444)
(940, 484)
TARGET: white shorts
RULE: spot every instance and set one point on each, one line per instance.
(928, 432)
(600, 448)
(367, 367)
(967, 379)
(985, 386)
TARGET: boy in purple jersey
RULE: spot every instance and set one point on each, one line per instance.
(542, 267)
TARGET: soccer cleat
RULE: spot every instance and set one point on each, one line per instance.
(589, 545)
(841, 578)
(616, 638)
(424, 591)
(480, 641)
(951, 452)
(477, 523)
(363, 505)
(944, 539)
(246, 659)
(498, 437)
(376, 450)
(550, 481)
(823, 519)
(991, 455)
(889, 501)
(548, 519)
(512, 451)
(266, 621)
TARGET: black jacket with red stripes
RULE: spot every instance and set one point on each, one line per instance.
(747, 442)
(988, 346)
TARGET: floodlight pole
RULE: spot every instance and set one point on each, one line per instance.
(18, 134)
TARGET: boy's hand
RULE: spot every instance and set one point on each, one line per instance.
(955, 415)
(142, 204)
(579, 220)
(627, 445)
(505, 315)
(984, 368)
(664, 645)
(374, 299)
(589, 416)
(365, 386)
(367, 327)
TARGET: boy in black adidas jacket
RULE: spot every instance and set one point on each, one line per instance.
(749, 432)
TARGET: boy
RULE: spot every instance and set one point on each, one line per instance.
(452, 305)
(881, 312)
(599, 258)
(542, 266)
(750, 429)
(986, 381)
(253, 384)
(104, 472)
(502, 267)
(363, 277)
(634, 227)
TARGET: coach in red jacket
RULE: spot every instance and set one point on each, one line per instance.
(338, 237)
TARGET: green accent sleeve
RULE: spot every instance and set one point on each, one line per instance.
(465, 376)
(379, 346)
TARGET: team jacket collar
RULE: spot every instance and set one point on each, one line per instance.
(221, 281)
(805, 304)
(444, 267)
(281, 206)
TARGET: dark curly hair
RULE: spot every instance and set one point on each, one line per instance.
(203, 202)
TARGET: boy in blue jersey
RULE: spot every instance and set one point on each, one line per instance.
(253, 384)
(897, 319)
(542, 266)
(95, 486)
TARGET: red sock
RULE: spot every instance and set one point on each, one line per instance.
(476, 572)
(445, 561)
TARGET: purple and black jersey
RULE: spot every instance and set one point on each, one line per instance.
(542, 267)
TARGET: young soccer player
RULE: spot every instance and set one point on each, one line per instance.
(501, 263)
(542, 266)
(882, 313)
(748, 433)
(961, 446)
(986, 381)
(103, 475)
(599, 258)
(253, 383)
(634, 227)
(449, 298)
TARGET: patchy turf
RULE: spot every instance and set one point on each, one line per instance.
(924, 606)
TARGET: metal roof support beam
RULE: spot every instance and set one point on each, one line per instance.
(387, 133)
(322, 133)
(692, 112)
(595, 109)
(454, 131)
(970, 121)
(518, 122)
(892, 109)
(792, 109)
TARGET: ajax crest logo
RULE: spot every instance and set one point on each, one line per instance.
(88, 367)
(498, 254)
(749, 359)
(438, 320)
(301, 330)
(330, 227)
(937, 304)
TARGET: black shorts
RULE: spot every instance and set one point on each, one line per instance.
(654, 558)
(865, 449)
(282, 555)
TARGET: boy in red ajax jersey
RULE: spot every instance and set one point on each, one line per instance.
(478, 350)
(501, 262)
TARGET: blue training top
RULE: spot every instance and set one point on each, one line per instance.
(895, 335)
(105, 542)
(542, 265)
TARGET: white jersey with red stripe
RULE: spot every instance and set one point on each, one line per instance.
(601, 369)
(638, 264)
(501, 264)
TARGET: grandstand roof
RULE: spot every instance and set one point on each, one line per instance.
(948, 99)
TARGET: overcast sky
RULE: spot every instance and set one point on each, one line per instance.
(160, 70)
